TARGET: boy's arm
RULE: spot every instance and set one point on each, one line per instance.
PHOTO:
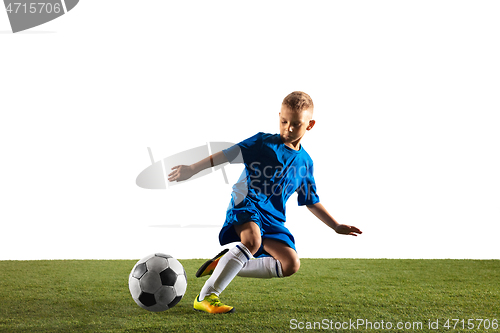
(183, 172)
(321, 213)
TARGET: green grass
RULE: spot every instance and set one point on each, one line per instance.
(93, 296)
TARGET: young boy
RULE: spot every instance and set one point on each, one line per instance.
(276, 166)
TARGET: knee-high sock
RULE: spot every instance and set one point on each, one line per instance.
(265, 268)
(227, 268)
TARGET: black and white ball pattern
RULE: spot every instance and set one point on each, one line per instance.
(157, 282)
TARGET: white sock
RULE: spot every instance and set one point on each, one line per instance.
(225, 271)
(264, 268)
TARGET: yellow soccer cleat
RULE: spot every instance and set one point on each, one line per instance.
(211, 304)
(208, 267)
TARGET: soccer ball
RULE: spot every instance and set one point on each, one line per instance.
(157, 282)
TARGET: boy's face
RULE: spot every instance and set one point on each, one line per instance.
(293, 125)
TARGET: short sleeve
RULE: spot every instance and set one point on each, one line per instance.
(306, 193)
(233, 154)
(245, 151)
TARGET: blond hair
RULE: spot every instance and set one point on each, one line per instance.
(298, 101)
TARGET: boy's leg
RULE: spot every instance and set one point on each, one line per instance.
(232, 262)
(262, 268)
(284, 262)
(287, 256)
(249, 235)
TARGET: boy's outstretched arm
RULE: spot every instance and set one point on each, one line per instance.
(183, 172)
(321, 213)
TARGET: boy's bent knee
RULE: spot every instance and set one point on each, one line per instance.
(252, 244)
(290, 267)
(249, 235)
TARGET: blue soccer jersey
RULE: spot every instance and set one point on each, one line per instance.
(273, 172)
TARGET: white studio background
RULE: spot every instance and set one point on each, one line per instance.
(405, 146)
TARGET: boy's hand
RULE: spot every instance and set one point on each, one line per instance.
(347, 230)
(180, 173)
(321, 213)
(183, 172)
